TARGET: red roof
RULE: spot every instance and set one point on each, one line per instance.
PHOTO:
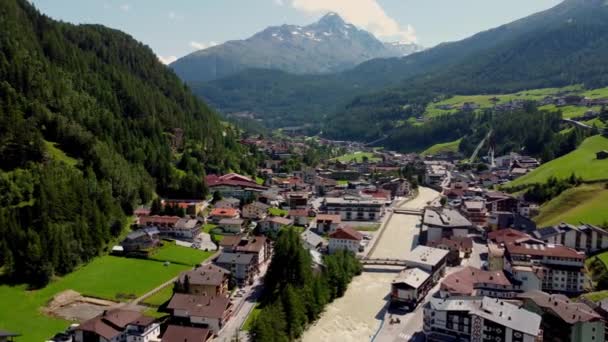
(156, 219)
(298, 213)
(224, 212)
(331, 218)
(507, 235)
(466, 280)
(232, 179)
(543, 250)
(346, 233)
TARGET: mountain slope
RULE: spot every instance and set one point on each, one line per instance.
(89, 122)
(329, 45)
(560, 46)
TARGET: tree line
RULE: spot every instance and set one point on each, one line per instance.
(295, 295)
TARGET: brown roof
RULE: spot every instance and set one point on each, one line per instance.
(205, 275)
(466, 280)
(175, 333)
(200, 305)
(157, 219)
(543, 250)
(347, 233)
(111, 323)
(332, 218)
(254, 245)
(280, 220)
(570, 312)
(454, 242)
(507, 235)
(230, 240)
(224, 212)
(298, 212)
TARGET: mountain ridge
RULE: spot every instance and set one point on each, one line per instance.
(328, 45)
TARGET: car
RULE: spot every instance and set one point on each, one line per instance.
(367, 237)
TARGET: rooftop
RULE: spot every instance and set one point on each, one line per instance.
(235, 258)
(200, 305)
(570, 312)
(466, 280)
(413, 277)
(205, 275)
(427, 255)
(346, 233)
(176, 333)
(543, 250)
(445, 218)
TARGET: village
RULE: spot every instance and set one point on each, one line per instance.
(444, 253)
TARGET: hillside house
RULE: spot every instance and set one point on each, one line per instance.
(211, 312)
(234, 185)
(234, 226)
(274, 223)
(206, 279)
(255, 211)
(586, 237)
(242, 266)
(118, 325)
(141, 239)
(219, 214)
(345, 238)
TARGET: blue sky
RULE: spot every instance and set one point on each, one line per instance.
(175, 28)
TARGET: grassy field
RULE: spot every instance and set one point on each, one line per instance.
(160, 297)
(58, 154)
(105, 277)
(586, 203)
(180, 255)
(596, 93)
(277, 212)
(569, 112)
(357, 157)
(582, 162)
(596, 296)
(451, 146)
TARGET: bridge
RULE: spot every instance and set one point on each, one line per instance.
(383, 262)
(406, 211)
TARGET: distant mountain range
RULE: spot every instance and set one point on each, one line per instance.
(329, 45)
(560, 46)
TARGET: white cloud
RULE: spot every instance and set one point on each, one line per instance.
(201, 46)
(367, 14)
(167, 60)
(125, 7)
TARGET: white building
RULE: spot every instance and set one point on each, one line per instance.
(479, 319)
(355, 209)
(231, 225)
(429, 259)
(410, 286)
(586, 237)
(345, 238)
(118, 325)
(274, 223)
(444, 223)
(211, 312)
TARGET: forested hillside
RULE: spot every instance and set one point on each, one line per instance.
(91, 124)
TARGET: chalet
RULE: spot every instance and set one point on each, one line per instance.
(234, 185)
(325, 223)
(471, 281)
(234, 226)
(440, 223)
(229, 202)
(118, 325)
(410, 287)
(141, 239)
(255, 211)
(274, 223)
(219, 214)
(209, 312)
(206, 279)
(311, 240)
(178, 333)
(345, 238)
(258, 246)
(242, 266)
(299, 216)
(184, 228)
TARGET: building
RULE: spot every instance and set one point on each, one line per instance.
(258, 246)
(555, 268)
(399, 187)
(500, 201)
(563, 319)
(218, 214)
(231, 225)
(355, 209)
(471, 281)
(141, 239)
(479, 319)
(7, 336)
(586, 237)
(410, 287)
(191, 207)
(431, 260)
(297, 200)
(209, 279)
(229, 202)
(234, 185)
(325, 223)
(458, 248)
(444, 223)
(209, 312)
(299, 216)
(345, 238)
(158, 221)
(184, 228)
(177, 333)
(255, 211)
(118, 325)
(242, 266)
(475, 212)
(274, 224)
(311, 240)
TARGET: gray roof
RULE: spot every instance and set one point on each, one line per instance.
(235, 258)
(311, 238)
(445, 218)
(231, 221)
(427, 255)
(494, 310)
(413, 277)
